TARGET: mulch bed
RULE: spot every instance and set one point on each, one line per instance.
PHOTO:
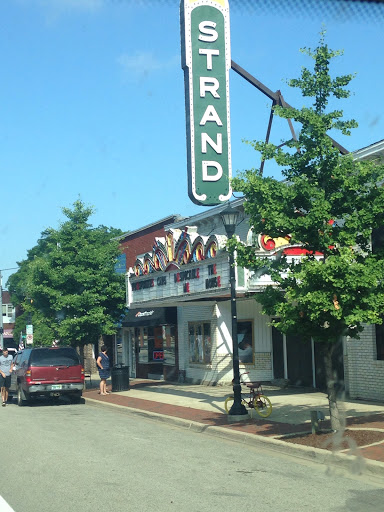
(336, 441)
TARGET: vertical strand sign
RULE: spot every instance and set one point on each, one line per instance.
(206, 61)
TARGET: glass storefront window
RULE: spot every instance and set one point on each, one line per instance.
(169, 346)
(245, 341)
(142, 337)
(192, 340)
(207, 343)
(200, 343)
(119, 348)
(156, 344)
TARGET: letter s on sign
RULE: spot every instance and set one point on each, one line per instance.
(207, 27)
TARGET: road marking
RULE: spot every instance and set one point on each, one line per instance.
(4, 507)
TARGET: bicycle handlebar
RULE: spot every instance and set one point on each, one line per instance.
(252, 385)
(241, 375)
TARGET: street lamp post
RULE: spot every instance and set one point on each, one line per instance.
(229, 217)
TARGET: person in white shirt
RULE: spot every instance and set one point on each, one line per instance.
(6, 367)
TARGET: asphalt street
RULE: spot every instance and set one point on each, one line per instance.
(79, 457)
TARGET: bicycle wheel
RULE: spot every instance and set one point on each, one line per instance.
(263, 406)
(229, 402)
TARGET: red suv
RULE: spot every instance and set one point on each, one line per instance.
(47, 371)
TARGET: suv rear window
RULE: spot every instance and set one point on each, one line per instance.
(54, 357)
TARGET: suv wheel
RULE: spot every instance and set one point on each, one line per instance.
(21, 398)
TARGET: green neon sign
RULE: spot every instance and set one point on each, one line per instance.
(206, 61)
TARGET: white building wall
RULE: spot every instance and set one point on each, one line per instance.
(262, 370)
(215, 225)
(220, 371)
(364, 372)
(196, 372)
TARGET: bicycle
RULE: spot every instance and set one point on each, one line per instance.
(256, 400)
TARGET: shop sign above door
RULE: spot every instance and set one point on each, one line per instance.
(206, 60)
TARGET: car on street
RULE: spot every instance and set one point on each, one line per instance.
(47, 371)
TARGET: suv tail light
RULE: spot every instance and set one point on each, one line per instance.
(28, 378)
(82, 373)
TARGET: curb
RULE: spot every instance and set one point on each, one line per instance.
(195, 426)
(355, 464)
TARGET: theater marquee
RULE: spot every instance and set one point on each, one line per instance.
(206, 60)
(194, 281)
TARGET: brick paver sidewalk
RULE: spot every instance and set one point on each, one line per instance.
(262, 427)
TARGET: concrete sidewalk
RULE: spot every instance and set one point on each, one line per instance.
(201, 408)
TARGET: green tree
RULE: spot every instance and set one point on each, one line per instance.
(19, 285)
(67, 286)
(328, 204)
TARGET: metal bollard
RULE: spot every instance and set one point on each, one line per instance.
(315, 422)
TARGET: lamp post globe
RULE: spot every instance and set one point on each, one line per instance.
(229, 217)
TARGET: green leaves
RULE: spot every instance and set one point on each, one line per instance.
(319, 84)
(70, 276)
(328, 204)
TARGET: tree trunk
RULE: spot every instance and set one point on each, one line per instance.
(336, 415)
(81, 349)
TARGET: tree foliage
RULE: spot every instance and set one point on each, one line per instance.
(67, 287)
(328, 204)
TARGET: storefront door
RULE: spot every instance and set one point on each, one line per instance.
(129, 352)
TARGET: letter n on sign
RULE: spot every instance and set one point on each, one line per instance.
(206, 60)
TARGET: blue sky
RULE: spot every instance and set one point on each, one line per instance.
(92, 102)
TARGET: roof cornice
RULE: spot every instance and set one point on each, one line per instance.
(211, 212)
(371, 151)
(163, 221)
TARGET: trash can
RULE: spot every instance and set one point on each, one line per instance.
(120, 377)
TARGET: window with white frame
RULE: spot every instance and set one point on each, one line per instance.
(200, 342)
(245, 341)
(8, 310)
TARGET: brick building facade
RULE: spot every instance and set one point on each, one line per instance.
(364, 358)
(141, 240)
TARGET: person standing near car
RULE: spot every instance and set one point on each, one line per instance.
(6, 367)
(104, 370)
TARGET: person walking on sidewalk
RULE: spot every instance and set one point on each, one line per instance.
(104, 370)
(6, 367)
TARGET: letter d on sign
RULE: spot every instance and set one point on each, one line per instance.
(210, 177)
(206, 61)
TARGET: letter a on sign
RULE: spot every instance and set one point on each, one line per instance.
(206, 61)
